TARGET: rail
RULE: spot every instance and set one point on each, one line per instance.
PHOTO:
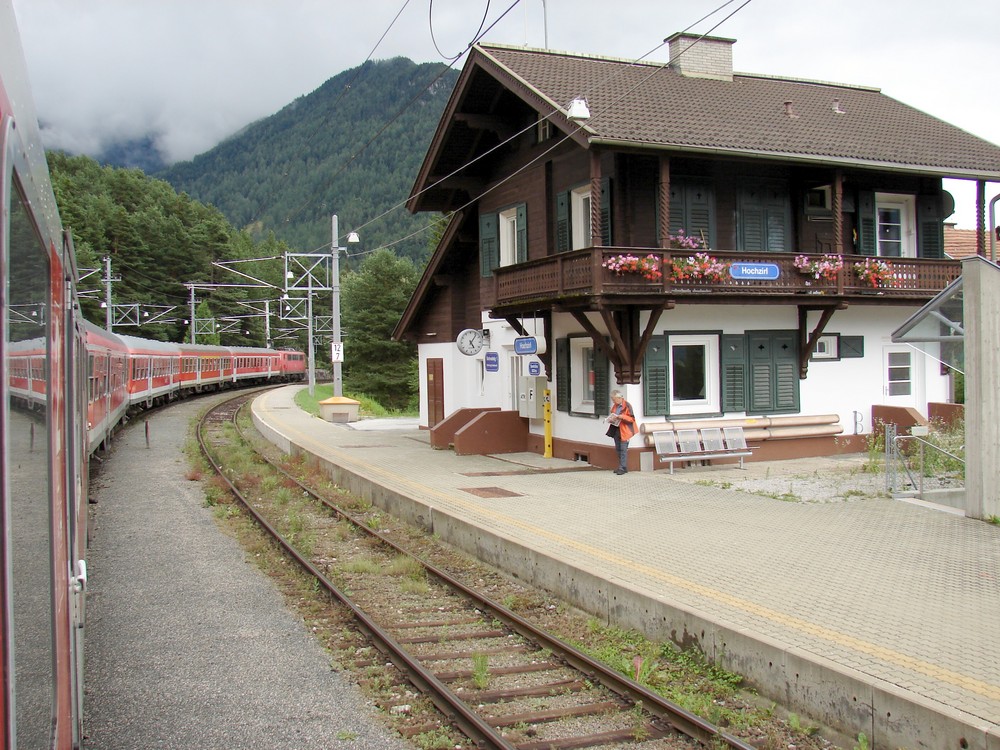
(586, 273)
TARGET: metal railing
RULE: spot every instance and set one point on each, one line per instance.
(896, 457)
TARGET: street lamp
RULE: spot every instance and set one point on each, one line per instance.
(337, 346)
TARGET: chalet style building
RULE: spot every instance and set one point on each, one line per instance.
(724, 248)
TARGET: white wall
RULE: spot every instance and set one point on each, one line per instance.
(846, 387)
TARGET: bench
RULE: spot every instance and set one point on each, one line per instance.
(699, 445)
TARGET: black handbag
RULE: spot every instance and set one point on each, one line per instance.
(613, 431)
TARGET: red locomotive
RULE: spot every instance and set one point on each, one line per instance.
(67, 385)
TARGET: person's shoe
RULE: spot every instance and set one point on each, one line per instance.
(619, 471)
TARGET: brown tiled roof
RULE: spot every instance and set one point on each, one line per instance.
(961, 243)
(651, 105)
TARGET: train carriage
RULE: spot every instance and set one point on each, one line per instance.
(154, 371)
(67, 385)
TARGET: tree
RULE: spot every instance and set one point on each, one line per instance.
(375, 297)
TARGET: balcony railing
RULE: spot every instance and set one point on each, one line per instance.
(583, 274)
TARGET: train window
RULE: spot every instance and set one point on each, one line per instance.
(26, 491)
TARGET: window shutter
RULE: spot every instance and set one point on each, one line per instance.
(489, 244)
(700, 211)
(764, 218)
(692, 208)
(852, 347)
(656, 396)
(562, 375)
(678, 208)
(563, 226)
(606, 211)
(602, 382)
(930, 229)
(751, 232)
(786, 372)
(867, 225)
(733, 361)
(522, 234)
(761, 379)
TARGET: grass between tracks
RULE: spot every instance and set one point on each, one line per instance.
(684, 677)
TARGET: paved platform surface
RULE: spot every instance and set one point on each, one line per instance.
(188, 644)
(880, 612)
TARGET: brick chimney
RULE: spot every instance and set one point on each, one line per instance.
(707, 57)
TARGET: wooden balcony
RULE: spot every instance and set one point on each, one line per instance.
(579, 280)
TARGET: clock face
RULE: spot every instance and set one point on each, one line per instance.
(470, 341)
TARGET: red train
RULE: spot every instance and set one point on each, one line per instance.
(67, 386)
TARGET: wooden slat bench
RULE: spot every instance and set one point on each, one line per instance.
(699, 445)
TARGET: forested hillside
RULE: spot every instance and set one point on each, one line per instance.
(337, 151)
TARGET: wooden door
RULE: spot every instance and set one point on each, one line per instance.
(435, 391)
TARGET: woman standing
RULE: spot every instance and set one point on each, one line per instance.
(622, 421)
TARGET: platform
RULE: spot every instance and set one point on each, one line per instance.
(871, 615)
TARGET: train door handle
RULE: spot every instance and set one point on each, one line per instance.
(79, 580)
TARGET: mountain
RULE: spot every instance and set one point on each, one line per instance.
(139, 153)
(352, 148)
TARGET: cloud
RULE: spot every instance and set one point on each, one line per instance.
(191, 72)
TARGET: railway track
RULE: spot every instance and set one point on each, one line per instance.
(498, 679)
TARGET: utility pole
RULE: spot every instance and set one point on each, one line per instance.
(192, 314)
(337, 344)
(108, 311)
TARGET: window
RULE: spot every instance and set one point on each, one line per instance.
(580, 213)
(681, 375)
(573, 210)
(582, 384)
(584, 375)
(503, 239)
(694, 374)
(899, 373)
(508, 237)
(895, 225)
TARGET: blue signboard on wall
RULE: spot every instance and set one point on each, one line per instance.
(534, 367)
(492, 362)
(746, 271)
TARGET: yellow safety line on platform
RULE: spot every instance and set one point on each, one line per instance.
(964, 682)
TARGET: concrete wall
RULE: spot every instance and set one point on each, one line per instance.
(981, 290)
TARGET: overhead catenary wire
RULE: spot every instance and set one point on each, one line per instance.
(558, 142)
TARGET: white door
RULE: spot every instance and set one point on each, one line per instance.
(513, 379)
(902, 376)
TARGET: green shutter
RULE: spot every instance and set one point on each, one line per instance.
(606, 212)
(751, 232)
(563, 226)
(733, 361)
(655, 383)
(521, 240)
(930, 228)
(700, 212)
(764, 218)
(602, 382)
(852, 347)
(489, 244)
(563, 375)
(785, 352)
(867, 223)
(678, 209)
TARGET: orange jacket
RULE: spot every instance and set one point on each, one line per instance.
(627, 416)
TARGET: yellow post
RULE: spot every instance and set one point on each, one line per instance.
(548, 423)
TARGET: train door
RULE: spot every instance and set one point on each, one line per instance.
(29, 636)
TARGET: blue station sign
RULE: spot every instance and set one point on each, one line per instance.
(525, 345)
(534, 367)
(492, 362)
(746, 271)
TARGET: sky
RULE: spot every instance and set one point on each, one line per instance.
(193, 72)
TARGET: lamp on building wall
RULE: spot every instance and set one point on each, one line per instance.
(578, 109)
